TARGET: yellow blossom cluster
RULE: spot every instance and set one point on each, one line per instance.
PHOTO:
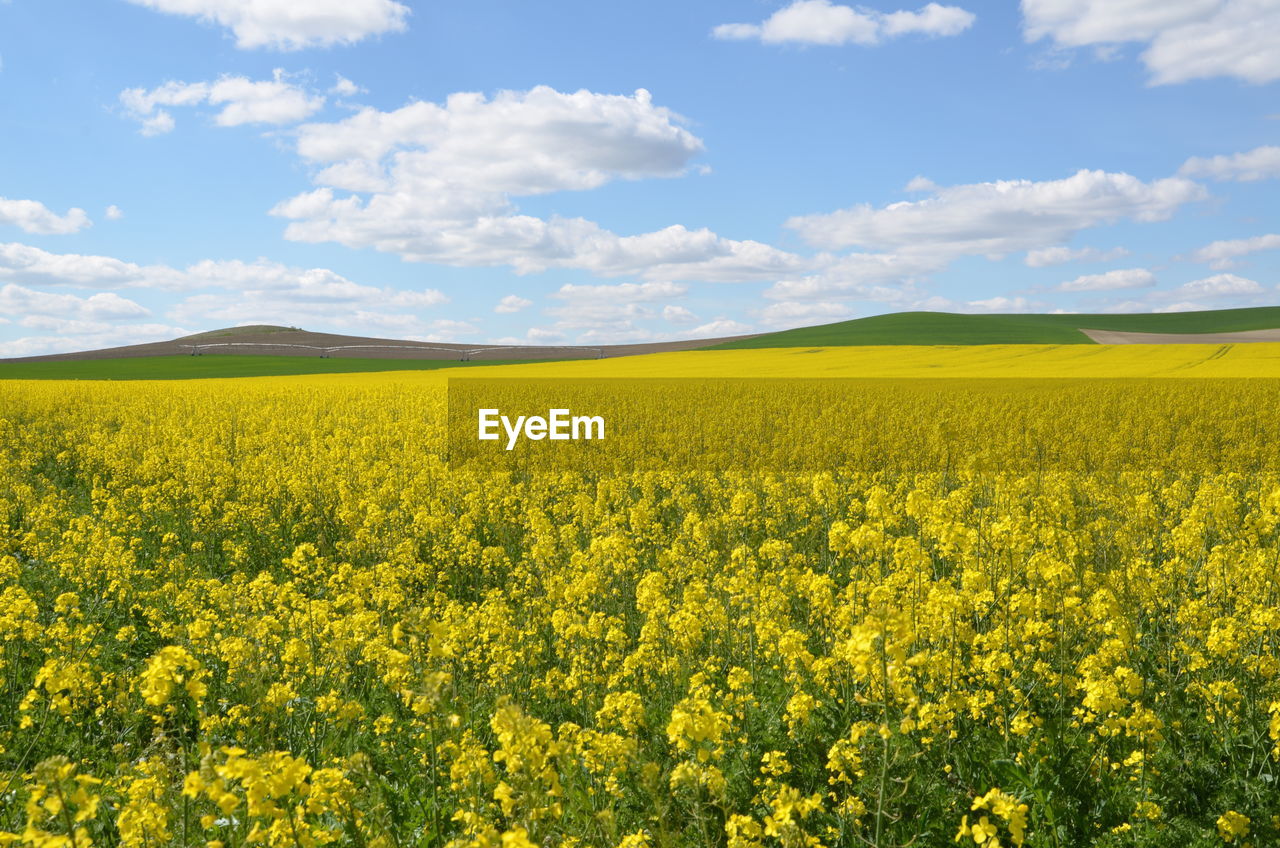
(271, 613)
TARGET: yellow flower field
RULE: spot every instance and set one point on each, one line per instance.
(981, 361)
(268, 612)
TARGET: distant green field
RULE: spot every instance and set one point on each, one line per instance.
(944, 328)
(221, 365)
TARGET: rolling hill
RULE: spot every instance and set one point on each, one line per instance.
(945, 328)
(278, 351)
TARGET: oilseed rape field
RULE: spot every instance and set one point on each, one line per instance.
(272, 611)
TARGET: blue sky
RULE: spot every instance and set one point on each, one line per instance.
(585, 172)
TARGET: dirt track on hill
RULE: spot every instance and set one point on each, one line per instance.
(288, 342)
(1114, 337)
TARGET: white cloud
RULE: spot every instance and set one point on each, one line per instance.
(63, 325)
(1219, 285)
(614, 336)
(114, 213)
(1000, 304)
(215, 293)
(18, 300)
(790, 313)
(441, 179)
(719, 327)
(996, 218)
(447, 330)
(26, 264)
(1215, 292)
(918, 183)
(601, 315)
(512, 303)
(270, 288)
(290, 24)
(85, 335)
(609, 314)
(294, 308)
(345, 87)
(1121, 278)
(1047, 256)
(933, 19)
(520, 143)
(621, 293)
(1220, 254)
(1183, 306)
(821, 22)
(1261, 163)
(144, 105)
(32, 216)
(618, 319)
(1186, 39)
(543, 335)
(263, 102)
(276, 101)
(673, 314)
(883, 277)
(1125, 306)
(158, 123)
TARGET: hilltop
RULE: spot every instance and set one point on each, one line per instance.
(945, 328)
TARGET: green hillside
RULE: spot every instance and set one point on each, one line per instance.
(945, 328)
(196, 367)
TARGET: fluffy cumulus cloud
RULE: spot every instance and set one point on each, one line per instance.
(441, 182)
(436, 183)
(34, 217)
(298, 285)
(614, 314)
(1218, 286)
(890, 278)
(1180, 306)
(790, 313)
(357, 315)
(290, 24)
(610, 312)
(518, 143)
(210, 292)
(1000, 304)
(65, 322)
(276, 101)
(719, 327)
(996, 218)
(1121, 278)
(512, 303)
(267, 292)
(1047, 256)
(673, 314)
(823, 22)
(344, 87)
(1215, 292)
(1223, 254)
(1183, 39)
(1261, 163)
(32, 266)
(18, 300)
(623, 293)
(218, 290)
(62, 335)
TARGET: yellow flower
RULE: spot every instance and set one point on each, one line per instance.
(1232, 825)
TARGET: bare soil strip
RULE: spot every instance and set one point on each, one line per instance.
(1114, 337)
